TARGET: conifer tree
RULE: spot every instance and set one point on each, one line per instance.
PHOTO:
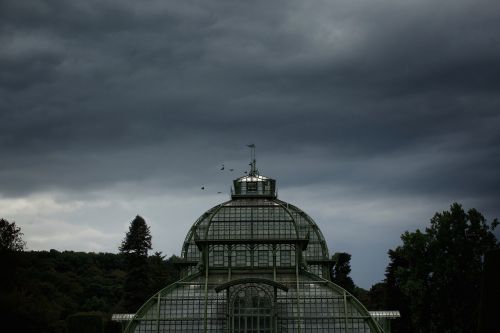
(138, 239)
(135, 247)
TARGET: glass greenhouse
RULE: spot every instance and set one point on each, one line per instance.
(254, 264)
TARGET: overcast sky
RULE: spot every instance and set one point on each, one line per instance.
(371, 114)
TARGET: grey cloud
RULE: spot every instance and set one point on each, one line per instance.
(376, 97)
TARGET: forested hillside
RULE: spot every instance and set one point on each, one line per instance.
(39, 290)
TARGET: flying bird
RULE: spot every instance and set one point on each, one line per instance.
(203, 187)
(219, 192)
(222, 167)
(231, 170)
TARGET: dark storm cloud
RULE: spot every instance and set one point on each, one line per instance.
(372, 114)
(402, 97)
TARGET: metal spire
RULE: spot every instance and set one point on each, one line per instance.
(253, 164)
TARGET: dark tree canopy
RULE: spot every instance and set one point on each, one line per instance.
(341, 271)
(434, 277)
(10, 237)
(138, 239)
(42, 290)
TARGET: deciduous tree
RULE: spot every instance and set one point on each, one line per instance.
(341, 271)
(10, 237)
(434, 277)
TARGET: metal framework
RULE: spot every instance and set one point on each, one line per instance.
(254, 264)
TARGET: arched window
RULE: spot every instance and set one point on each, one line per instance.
(252, 311)
(263, 256)
(218, 256)
(285, 255)
(241, 256)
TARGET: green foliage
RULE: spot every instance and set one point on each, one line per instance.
(162, 272)
(43, 288)
(91, 322)
(10, 237)
(434, 277)
(136, 284)
(138, 239)
(362, 295)
(40, 290)
(85, 323)
(490, 293)
(375, 298)
(341, 270)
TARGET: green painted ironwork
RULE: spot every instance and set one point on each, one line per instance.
(254, 247)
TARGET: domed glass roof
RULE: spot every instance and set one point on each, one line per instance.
(254, 264)
(255, 215)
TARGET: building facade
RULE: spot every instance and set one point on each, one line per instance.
(254, 264)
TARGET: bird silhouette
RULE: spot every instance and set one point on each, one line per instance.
(222, 167)
(203, 187)
(219, 192)
(231, 170)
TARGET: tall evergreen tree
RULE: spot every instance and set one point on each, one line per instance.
(135, 247)
(138, 238)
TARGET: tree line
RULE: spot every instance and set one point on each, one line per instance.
(433, 278)
(49, 291)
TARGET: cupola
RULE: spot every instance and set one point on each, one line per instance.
(253, 184)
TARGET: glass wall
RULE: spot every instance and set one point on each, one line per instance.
(308, 305)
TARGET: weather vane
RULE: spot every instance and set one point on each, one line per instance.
(253, 163)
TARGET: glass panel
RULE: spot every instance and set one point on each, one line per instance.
(252, 186)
